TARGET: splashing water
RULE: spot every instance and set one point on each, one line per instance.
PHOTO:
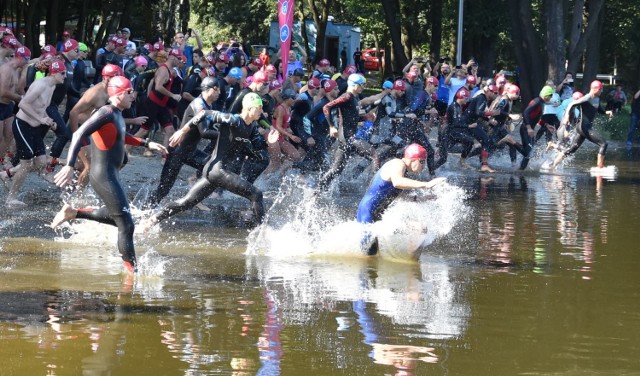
(300, 224)
(100, 238)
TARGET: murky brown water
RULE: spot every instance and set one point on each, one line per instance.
(540, 278)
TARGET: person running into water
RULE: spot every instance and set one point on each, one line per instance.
(589, 105)
(187, 152)
(238, 137)
(107, 130)
(31, 125)
(387, 183)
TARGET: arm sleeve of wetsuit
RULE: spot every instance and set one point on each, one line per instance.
(481, 108)
(226, 118)
(387, 102)
(101, 117)
(310, 117)
(211, 132)
(257, 141)
(344, 98)
(526, 114)
(130, 139)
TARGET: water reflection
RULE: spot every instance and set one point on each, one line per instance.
(552, 265)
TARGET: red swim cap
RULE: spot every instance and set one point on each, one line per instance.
(415, 151)
(111, 70)
(596, 85)
(577, 95)
(118, 85)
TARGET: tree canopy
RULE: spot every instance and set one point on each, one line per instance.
(541, 39)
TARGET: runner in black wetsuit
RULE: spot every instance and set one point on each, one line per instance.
(252, 165)
(349, 108)
(589, 106)
(238, 138)
(501, 130)
(315, 125)
(108, 137)
(187, 151)
(530, 117)
(476, 113)
(455, 129)
(64, 90)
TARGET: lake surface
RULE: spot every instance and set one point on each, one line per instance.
(538, 275)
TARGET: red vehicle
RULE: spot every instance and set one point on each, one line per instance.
(372, 59)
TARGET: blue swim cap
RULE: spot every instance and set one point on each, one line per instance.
(236, 73)
(387, 85)
(356, 79)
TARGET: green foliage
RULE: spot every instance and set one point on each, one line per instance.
(616, 128)
(221, 19)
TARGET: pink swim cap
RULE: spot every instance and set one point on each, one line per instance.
(415, 151)
(140, 61)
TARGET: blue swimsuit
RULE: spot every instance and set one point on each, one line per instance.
(378, 197)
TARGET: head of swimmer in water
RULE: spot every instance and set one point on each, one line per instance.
(415, 157)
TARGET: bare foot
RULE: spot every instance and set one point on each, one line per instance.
(551, 145)
(65, 214)
(6, 180)
(202, 207)
(486, 168)
(14, 203)
(463, 163)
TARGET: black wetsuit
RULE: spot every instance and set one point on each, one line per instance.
(186, 152)
(584, 128)
(475, 113)
(237, 140)
(500, 130)
(530, 117)
(315, 123)
(348, 145)
(456, 131)
(108, 136)
(252, 166)
(65, 89)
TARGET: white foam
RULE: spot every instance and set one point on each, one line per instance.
(298, 224)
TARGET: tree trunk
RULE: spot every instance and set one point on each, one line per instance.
(595, 10)
(436, 29)
(147, 14)
(555, 39)
(528, 53)
(185, 10)
(592, 56)
(320, 17)
(303, 29)
(31, 14)
(391, 14)
(51, 28)
(409, 22)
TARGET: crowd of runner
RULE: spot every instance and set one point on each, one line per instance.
(233, 118)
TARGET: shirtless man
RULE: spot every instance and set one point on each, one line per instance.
(94, 98)
(8, 47)
(10, 94)
(31, 125)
